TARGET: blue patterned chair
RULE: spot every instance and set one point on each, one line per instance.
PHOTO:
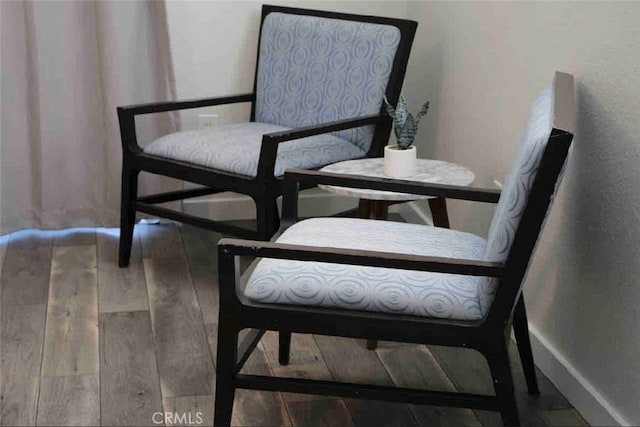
(430, 285)
(319, 85)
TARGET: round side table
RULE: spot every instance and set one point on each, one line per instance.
(375, 204)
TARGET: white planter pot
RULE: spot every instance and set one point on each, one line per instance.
(399, 163)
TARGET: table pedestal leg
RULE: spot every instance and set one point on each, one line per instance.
(373, 209)
(438, 206)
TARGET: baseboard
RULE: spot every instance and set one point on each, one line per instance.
(315, 202)
(414, 212)
(233, 206)
(221, 207)
(584, 397)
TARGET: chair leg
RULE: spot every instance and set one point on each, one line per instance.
(225, 367)
(284, 347)
(521, 331)
(268, 218)
(127, 214)
(439, 213)
(500, 367)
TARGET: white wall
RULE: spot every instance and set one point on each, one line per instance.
(482, 64)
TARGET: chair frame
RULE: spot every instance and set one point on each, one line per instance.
(489, 336)
(264, 188)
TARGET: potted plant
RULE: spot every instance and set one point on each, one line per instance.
(400, 159)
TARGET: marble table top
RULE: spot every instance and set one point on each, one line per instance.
(434, 171)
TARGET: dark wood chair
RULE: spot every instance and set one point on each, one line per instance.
(318, 89)
(394, 281)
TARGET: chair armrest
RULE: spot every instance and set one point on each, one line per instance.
(127, 113)
(270, 141)
(159, 107)
(303, 132)
(236, 247)
(293, 178)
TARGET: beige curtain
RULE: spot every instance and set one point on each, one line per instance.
(65, 67)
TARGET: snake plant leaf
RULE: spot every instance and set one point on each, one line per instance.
(405, 126)
(422, 112)
(407, 133)
(401, 113)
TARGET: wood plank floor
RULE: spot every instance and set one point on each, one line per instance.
(86, 343)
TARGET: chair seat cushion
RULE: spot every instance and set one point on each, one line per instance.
(377, 289)
(236, 148)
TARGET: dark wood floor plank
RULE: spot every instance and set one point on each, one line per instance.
(259, 408)
(205, 281)
(469, 371)
(119, 289)
(211, 331)
(254, 407)
(184, 359)
(189, 410)
(319, 413)
(349, 361)
(201, 250)
(22, 333)
(160, 240)
(71, 335)
(25, 275)
(200, 245)
(414, 367)
(202, 253)
(3, 252)
(129, 383)
(389, 344)
(563, 418)
(375, 413)
(305, 362)
(69, 401)
(550, 398)
(66, 258)
(75, 237)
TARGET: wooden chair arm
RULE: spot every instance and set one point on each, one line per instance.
(260, 249)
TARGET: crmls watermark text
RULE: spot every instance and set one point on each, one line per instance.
(172, 418)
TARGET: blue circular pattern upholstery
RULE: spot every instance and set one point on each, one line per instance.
(236, 148)
(372, 288)
(517, 186)
(316, 70)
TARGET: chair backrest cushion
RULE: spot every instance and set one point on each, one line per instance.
(517, 186)
(315, 70)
